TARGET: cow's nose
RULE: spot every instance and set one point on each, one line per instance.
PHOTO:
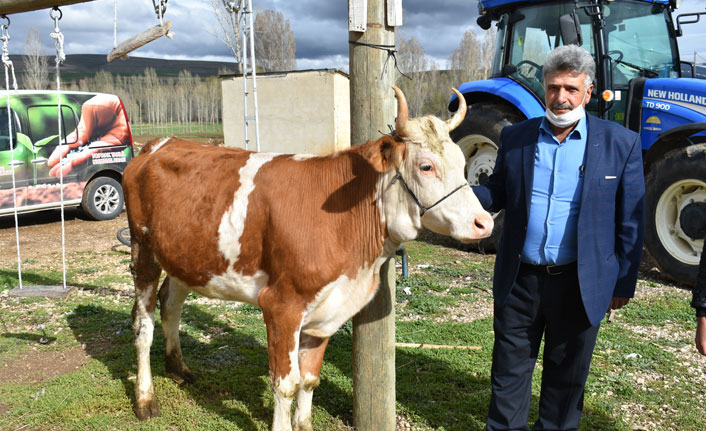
(483, 225)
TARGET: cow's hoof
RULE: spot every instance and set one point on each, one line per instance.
(178, 371)
(183, 376)
(147, 409)
(303, 426)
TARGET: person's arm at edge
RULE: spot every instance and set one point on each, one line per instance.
(698, 301)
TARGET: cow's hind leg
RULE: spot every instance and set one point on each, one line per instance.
(311, 356)
(283, 327)
(171, 298)
(146, 274)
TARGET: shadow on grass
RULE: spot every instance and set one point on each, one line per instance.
(9, 280)
(232, 372)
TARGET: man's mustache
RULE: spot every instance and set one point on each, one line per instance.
(557, 106)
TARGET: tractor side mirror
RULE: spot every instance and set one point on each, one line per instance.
(570, 29)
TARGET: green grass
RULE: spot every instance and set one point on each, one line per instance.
(225, 345)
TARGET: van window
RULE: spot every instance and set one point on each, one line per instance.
(5, 130)
(43, 124)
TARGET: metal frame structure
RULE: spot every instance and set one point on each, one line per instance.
(241, 13)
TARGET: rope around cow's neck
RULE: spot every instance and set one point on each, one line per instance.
(416, 200)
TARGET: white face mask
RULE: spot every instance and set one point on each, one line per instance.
(569, 119)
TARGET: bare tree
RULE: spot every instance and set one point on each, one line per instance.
(472, 59)
(413, 62)
(275, 45)
(227, 29)
(36, 64)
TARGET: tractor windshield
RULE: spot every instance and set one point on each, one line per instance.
(639, 41)
(535, 33)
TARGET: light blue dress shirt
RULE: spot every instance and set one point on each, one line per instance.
(556, 197)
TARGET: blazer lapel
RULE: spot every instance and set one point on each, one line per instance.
(594, 147)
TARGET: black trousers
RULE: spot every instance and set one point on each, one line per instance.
(540, 305)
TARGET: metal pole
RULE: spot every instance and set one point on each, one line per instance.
(244, 67)
(251, 34)
(373, 107)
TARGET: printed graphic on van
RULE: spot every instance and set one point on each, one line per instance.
(94, 137)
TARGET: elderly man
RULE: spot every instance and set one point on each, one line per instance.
(573, 191)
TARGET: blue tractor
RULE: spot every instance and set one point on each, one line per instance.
(641, 84)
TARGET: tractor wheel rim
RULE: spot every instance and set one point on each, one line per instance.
(480, 153)
(106, 199)
(669, 231)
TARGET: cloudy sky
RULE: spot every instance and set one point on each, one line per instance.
(320, 28)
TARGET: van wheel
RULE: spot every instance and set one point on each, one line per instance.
(102, 199)
(478, 136)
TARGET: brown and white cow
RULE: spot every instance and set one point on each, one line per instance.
(302, 237)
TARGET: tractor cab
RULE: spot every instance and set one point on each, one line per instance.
(628, 39)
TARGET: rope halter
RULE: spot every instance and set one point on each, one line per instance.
(424, 209)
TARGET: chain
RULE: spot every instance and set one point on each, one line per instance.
(5, 37)
(58, 36)
(160, 8)
(60, 58)
(230, 6)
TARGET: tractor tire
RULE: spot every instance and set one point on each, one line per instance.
(478, 136)
(102, 199)
(671, 184)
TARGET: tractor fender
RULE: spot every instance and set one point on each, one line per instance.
(499, 88)
(676, 137)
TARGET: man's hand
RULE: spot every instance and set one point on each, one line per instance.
(617, 303)
(701, 335)
(102, 120)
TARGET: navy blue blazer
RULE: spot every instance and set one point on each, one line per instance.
(611, 218)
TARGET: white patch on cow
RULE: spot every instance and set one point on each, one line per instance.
(283, 406)
(234, 286)
(301, 157)
(159, 145)
(285, 388)
(341, 299)
(302, 415)
(397, 210)
(171, 312)
(144, 329)
(233, 221)
(145, 229)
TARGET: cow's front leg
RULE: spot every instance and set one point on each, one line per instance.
(171, 299)
(283, 326)
(146, 275)
(311, 356)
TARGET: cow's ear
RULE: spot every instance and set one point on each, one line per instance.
(387, 153)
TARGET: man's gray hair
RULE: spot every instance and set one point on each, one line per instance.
(572, 58)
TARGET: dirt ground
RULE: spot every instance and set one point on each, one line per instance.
(40, 233)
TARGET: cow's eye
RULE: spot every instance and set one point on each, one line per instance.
(426, 167)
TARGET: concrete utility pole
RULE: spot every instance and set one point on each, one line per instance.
(373, 107)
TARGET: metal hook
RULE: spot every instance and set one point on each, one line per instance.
(7, 19)
(51, 13)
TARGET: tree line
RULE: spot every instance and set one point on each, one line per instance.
(187, 102)
(154, 102)
(427, 85)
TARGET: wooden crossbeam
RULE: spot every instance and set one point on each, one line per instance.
(8, 7)
(138, 40)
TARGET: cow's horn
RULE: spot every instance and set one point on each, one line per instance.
(402, 112)
(460, 114)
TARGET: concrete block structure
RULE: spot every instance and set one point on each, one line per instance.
(303, 112)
